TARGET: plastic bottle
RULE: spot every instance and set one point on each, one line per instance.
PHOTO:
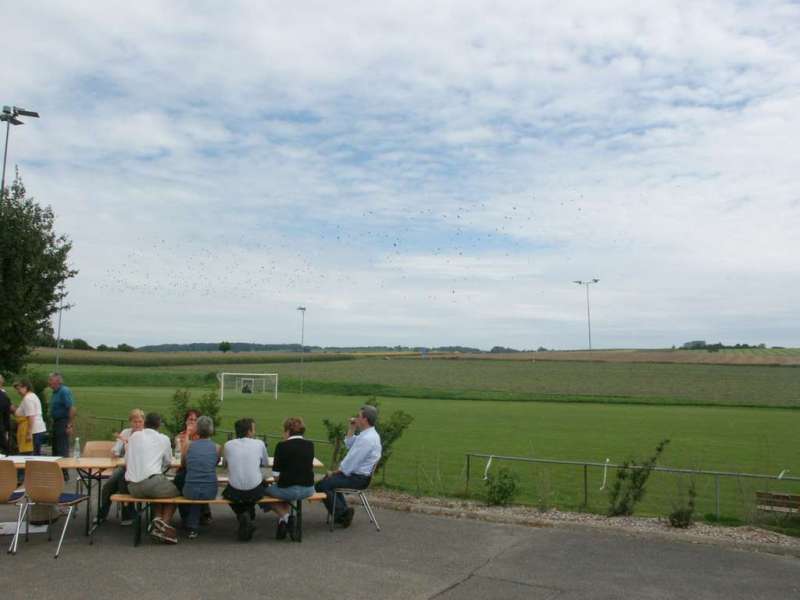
(177, 453)
(76, 448)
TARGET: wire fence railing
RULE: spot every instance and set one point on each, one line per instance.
(717, 477)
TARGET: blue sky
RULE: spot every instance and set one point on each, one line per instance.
(417, 173)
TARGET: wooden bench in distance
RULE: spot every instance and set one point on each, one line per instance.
(141, 505)
(778, 502)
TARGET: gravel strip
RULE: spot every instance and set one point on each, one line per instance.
(745, 537)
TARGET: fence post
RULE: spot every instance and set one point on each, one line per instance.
(716, 478)
(466, 483)
(585, 485)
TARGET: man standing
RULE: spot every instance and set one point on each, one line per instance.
(62, 410)
(355, 470)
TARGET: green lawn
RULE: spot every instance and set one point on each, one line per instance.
(430, 457)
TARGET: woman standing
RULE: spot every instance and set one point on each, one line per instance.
(200, 465)
(30, 424)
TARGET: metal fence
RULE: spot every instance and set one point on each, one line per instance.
(585, 465)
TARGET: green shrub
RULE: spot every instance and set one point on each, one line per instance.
(629, 486)
(335, 433)
(501, 488)
(174, 420)
(682, 515)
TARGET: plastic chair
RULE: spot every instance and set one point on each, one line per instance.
(8, 493)
(44, 484)
(361, 496)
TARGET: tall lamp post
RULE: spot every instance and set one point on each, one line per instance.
(9, 116)
(588, 312)
(302, 310)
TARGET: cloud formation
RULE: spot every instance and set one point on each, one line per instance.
(417, 173)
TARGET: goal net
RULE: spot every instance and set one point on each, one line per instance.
(248, 383)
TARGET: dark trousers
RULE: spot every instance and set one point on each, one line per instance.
(5, 446)
(340, 480)
(60, 443)
(244, 501)
(38, 440)
(115, 484)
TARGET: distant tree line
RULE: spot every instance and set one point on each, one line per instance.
(702, 345)
(46, 339)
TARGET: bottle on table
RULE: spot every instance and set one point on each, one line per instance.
(76, 448)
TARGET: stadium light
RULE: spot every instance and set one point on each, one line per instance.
(588, 312)
(302, 310)
(9, 115)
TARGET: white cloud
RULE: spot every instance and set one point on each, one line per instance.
(417, 173)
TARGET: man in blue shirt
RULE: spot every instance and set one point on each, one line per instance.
(355, 470)
(62, 410)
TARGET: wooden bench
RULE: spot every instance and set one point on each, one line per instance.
(778, 502)
(141, 506)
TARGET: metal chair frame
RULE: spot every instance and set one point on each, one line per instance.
(8, 486)
(44, 484)
(361, 496)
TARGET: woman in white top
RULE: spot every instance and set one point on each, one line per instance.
(31, 409)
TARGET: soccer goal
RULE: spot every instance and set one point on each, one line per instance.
(248, 383)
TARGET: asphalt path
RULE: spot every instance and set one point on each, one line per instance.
(413, 556)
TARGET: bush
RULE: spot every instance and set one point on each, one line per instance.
(501, 488)
(682, 515)
(210, 406)
(629, 487)
(174, 420)
(335, 433)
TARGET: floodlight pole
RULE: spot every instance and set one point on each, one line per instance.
(5, 157)
(9, 115)
(588, 311)
(302, 310)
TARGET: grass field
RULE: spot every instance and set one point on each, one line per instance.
(635, 383)
(740, 418)
(430, 457)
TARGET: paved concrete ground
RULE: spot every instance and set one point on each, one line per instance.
(414, 556)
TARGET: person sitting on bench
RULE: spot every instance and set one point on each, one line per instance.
(245, 457)
(148, 456)
(293, 465)
(200, 482)
(116, 483)
(355, 470)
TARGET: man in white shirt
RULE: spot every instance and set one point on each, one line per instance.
(148, 456)
(245, 457)
(355, 470)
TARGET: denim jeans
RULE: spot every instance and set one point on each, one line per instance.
(190, 513)
(38, 440)
(340, 480)
(291, 493)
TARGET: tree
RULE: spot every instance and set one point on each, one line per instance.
(125, 347)
(33, 269)
(79, 344)
(224, 346)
